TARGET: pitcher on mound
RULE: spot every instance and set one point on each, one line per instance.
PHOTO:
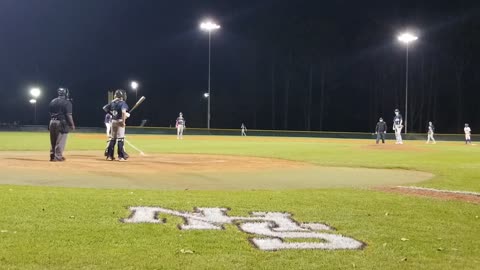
(398, 126)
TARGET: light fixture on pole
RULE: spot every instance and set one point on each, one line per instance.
(406, 38)
(134, 85)
(34, 103)
(209, 26)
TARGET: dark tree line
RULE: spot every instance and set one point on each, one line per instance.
(316, 71)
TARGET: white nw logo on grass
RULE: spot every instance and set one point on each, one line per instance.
(271, 229)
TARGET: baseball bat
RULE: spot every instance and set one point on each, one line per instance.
(137, 104)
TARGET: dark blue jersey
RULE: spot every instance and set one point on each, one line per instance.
(59, 108)
(115, 108)
(381, 127)
(397, 120)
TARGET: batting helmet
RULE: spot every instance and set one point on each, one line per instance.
(119, 93)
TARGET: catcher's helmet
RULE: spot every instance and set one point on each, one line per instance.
(119, 93)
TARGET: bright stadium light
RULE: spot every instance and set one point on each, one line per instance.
(209, 26)
(134, 85)
(35, 92)
(406, 38)
(33, 101)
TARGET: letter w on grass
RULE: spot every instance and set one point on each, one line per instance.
(270, 228)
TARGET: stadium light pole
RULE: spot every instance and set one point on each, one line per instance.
(134, 85)
(35, 92)
(209, 26)
(406, 38)
(34, 102)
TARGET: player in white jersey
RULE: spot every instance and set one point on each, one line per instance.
(398, 126)
(468, 134)
(108, 124)
(430, 133)
(180, 125)
(244, 130)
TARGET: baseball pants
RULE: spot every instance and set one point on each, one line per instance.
(58, 139)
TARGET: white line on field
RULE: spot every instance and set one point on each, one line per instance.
(134, 147)
(443, 191)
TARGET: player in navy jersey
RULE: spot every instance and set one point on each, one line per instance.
(118, 109)
(381, 130)
(398, 126)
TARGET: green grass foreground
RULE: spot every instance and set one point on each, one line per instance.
(68, 228)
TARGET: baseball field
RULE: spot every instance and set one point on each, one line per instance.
(350, 204)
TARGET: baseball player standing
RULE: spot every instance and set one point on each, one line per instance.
(398, 126)
(118, 109)
(61, 120)
(108, 123)
(180, 125)
(430, 133)
(244, 130)
(381, 130)
(468, 134)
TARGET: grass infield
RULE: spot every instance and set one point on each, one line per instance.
(45, 227)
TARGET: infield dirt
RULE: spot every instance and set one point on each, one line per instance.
(190, 171)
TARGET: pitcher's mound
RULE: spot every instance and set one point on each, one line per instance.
(189, 171)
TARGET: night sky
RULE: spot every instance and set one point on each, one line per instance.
(277, 64)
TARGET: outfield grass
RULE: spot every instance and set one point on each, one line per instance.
(65, 228)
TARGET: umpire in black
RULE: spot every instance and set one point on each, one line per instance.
(61, 121)
(381, 130)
